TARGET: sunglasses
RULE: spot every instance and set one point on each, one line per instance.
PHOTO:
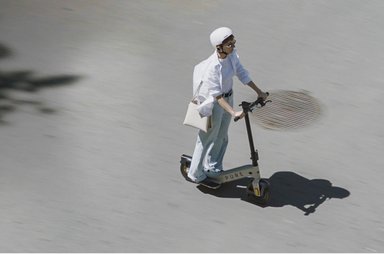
(230, 44)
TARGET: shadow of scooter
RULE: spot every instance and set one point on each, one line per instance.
(287, 188)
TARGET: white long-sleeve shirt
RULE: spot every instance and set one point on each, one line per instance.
(216, 77)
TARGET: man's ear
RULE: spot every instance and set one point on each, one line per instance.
(219, 49)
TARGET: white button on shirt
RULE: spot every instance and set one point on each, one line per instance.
(227, 73)
(215, 77)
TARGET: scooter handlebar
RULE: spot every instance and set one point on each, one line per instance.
(237, 118)
(249, 106)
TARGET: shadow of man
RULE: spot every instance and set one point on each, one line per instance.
(292, 189)
(287, 188)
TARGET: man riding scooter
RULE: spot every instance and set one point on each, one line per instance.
(216, 80)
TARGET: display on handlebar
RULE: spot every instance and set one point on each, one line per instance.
(248, 106)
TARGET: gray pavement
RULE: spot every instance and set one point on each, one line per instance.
(92, 98)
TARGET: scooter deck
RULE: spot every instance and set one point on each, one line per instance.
(210, 184)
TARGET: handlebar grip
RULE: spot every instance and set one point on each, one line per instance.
(237, 118)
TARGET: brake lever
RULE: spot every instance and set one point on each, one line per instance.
(258, 102)
(262, 103)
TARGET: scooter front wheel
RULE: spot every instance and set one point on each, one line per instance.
(264, 191)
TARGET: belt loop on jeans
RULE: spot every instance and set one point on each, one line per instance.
(227, 94)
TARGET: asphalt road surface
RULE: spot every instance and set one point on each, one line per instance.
(92, 98)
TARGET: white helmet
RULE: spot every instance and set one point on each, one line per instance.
(219, 35)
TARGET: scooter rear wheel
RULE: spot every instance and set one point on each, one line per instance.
(184, 168)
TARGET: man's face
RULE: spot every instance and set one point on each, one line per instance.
(229, 46)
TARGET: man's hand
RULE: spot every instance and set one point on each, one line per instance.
(262, 95)
(239, 114)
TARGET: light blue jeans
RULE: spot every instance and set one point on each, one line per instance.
(211, 146)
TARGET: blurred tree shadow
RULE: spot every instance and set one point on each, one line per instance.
(26, 81)
(287, 188)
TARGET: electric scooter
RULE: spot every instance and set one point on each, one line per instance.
(258, 188)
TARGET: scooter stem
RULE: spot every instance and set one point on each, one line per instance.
(254, 155)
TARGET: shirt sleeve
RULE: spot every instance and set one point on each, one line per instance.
(241, 73)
